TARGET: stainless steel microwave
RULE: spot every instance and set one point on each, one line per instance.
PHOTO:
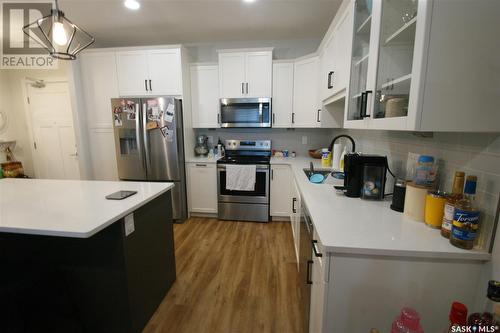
(245, 112)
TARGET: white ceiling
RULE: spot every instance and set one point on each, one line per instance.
(200, 21)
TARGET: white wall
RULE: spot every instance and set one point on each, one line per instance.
(283, 49)
(12, 101)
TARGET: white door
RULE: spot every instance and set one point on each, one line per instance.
(232, 75)
(55, 154)
(205, 96)
(202, 187)
(132, 68)
(281, 179)
(258, 74)
(165, 72)
(282, 94)
(305, 100)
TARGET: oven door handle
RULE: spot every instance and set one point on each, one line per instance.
(260, 168)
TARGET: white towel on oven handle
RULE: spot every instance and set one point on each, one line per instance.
(240, 177)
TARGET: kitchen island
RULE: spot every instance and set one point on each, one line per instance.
(368, 261)
(73, 261)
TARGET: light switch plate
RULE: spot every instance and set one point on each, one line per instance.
(129, 224)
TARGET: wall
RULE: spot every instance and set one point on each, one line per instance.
(281, 138)
(473, 153)
(12, 100)
(283, 49)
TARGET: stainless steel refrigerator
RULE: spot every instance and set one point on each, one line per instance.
(149, 144)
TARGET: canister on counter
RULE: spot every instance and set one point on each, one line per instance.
(398, 195)
(415, 201)
(434, 208)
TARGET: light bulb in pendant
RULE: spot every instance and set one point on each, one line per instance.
(59, 34)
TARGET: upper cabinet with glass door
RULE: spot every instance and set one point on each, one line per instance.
(396, 25)
(423, 65)
(354, 116)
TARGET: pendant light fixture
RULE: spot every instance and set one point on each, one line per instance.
(58, 35)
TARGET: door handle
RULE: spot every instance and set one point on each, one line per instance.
(150, 87)
(247, 87)
(315, 248)
(294, 200)
(218, 118)
(317, 116)
(242, 88)
(146, 84)
(272, 174)
(308, 275)
(274, 120)
(330, 83)
(293, 117)
(74, 155)
(364, 103)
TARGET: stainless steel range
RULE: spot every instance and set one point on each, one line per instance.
(245, 205)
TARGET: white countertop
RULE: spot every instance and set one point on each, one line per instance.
(356, 226)
(68, 208)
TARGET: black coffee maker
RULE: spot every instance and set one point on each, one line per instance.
(365, 176)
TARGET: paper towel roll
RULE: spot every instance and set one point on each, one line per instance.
(415, 201)
(337, 152)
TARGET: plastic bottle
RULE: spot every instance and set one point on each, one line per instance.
(458, 316)
(408, 321)
(344, 152)
(466, 217)
(325, 158)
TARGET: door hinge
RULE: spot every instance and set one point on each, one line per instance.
(34, 145)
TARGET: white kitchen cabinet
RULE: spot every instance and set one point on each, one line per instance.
(99, 85)
(133, 73)
(422, 66)
(280, 191)
(205, 96)
(149, 72)
(318, 288)
(245, 74)
(306, 108)
(202, 187)
(295, 202)
(165, 72)
(282, 94)
(335, 59)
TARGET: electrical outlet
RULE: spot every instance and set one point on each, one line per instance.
(304, 140)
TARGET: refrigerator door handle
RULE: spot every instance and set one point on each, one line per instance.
(145, 138)
(138, 134)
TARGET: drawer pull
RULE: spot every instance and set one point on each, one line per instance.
(201, 165)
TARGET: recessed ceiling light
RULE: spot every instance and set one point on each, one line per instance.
(248, 1)
(132, 4)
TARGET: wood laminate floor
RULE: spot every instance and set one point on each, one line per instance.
(231, 277)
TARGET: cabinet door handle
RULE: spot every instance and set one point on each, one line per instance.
(330, 82)
(146, 84)
(294, 200)
(272, 174)
(150, 87)
(364, 102)
(293, 117)
(308, 275)
(218, 118)
(201, 165)
(315, 248)
(247, 87)
(274, 119)
(242, 88)
(317, 116)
